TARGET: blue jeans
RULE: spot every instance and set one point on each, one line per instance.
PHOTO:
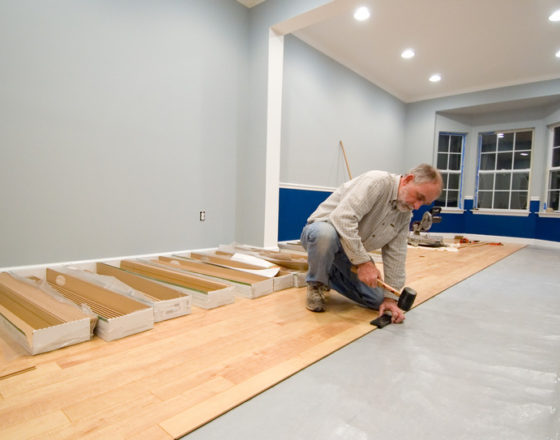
(329, 265)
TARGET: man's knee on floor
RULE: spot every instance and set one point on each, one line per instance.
(321, 235)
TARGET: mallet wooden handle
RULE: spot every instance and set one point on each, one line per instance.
(389, 288)
(380, 283)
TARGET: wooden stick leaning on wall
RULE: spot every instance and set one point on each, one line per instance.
(346, 160)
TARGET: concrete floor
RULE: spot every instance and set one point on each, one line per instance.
(479, 361)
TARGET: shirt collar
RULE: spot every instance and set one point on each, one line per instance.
(395, 193)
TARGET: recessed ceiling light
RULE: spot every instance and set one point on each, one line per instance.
(555, 16)
(407, 54)
(362, 13)
(558, 54)
(436, 77)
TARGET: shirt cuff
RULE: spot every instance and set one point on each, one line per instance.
(359, 260)
(390, 295)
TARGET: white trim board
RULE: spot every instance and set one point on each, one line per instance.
(35, 269)
(273, 136)
(274, 104)
(305, 187)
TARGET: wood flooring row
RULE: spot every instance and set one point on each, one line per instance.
(167, 382)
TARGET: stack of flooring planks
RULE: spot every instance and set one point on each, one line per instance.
(38, 321)
(281, 279)
(248, 285)
(291, 262)
(206, 294)
(166, 301)
(119, 315)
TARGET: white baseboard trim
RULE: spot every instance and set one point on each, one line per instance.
(37, 269)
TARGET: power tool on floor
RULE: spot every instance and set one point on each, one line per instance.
(419, 235)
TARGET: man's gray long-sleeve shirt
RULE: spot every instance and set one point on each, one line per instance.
(364, 213)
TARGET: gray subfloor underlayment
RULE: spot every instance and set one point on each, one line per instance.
(479, 361)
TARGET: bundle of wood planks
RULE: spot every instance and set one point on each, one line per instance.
(38, 321)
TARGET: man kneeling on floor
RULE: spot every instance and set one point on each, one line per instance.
(372, 211)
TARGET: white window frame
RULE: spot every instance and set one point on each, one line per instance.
(447, 171)
(495, 172)
(550, 169)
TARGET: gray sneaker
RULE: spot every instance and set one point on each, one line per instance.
(316, 298)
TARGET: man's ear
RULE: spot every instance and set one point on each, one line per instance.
(408, 178)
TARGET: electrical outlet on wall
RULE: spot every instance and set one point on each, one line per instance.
(202, 216)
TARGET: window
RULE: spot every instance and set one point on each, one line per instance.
(554, 172)
(504, 166)
(450, 163)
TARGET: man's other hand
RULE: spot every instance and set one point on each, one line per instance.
(390, 305)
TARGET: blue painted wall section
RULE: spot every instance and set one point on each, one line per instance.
(297, 204)
(548, 229)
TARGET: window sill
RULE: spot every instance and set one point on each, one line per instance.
(509, 212)
(452, 210)
(554, 214)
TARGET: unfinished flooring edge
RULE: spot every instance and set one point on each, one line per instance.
(189, 420)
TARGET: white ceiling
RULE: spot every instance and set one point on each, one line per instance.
(474, 44)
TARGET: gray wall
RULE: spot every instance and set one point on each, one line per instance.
(119, 122)
(252, 152)
(323, 103)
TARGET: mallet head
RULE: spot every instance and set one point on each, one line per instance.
(406, 299)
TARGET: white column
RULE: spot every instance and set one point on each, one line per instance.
(273, 137)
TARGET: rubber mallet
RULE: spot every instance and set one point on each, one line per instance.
(406, 299)
(406, 296)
